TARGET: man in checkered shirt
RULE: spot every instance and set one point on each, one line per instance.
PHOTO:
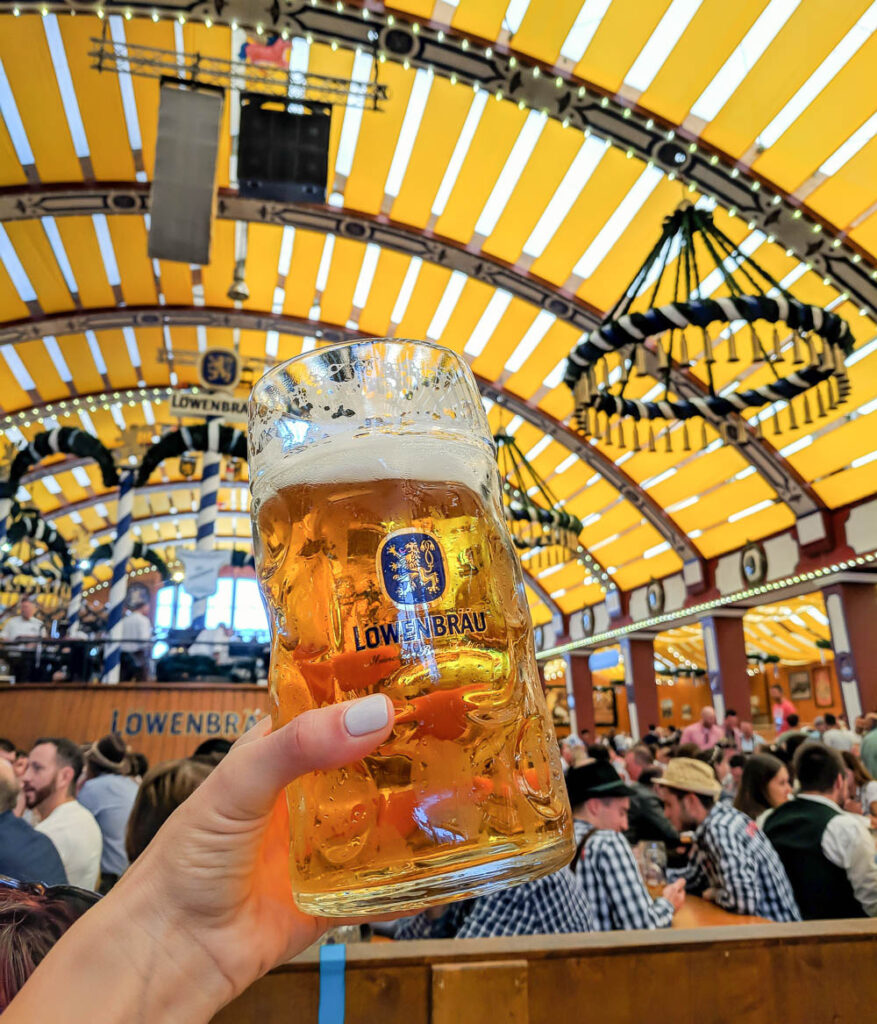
(604, 862)
(549, 905)
(732, 862)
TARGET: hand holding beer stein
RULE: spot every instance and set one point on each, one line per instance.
(386, 566)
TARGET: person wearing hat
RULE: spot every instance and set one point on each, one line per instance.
(604, 861)
(109, 793)
(731, 861)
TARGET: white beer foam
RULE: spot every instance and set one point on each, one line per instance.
(373, 457)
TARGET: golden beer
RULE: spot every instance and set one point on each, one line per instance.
(386, 566)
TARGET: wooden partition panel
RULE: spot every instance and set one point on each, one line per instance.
(162, 721)
(757, 974)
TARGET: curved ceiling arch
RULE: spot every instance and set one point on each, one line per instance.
(72, 199)
(157, 316)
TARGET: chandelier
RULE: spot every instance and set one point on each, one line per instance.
(537, 521)
(803, 346)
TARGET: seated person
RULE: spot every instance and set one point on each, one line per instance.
(162, 791)
(549, 905)
(604, 861)
(731, 861)
(646, 818)
(828, 854)
(212, 643)
(25, 854)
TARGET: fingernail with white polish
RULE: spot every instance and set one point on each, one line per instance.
(367, 715)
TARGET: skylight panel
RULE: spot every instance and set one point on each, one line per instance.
(743, 59)
(408, 131)
(201, 335)
(285, 259)
(464, 141)
(325, 264)
(81, 477)
(796, 446)
(96, 354)
(527, 345)
(867, 408)
(272, 340)
(9, 258)
(57, 357)
(570, 188)
(148, 414)
(551, 570)
(483, 330)
(685, 503)
(52, 233)
(299, 54)
(366, 275)
(105, 243)
(126, 88)
(555, 378)
(661, 42)
(509, 176)
(815, 613)
(362, 69)
(582, 32)
(19, 371)
(839, 56)
(14, 124)
(102, 510)
(404, 296)
(624, 213)
(446, 305)
(539, 447)
(65, 85)
(514, 15)
(858, 140)
(760, 507)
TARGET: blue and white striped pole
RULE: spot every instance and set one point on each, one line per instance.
(207, 510)
(122, 547)
(75, 605)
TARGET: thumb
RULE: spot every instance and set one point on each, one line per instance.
(246, 783)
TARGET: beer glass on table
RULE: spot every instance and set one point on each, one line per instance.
(386, 566)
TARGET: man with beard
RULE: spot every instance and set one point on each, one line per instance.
(53, 767)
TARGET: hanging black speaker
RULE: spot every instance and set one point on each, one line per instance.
(282, 155)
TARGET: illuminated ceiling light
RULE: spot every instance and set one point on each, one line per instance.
(510, 175)
(406, 290)
(569, 189)
(661, 42)
(448, 302)
(747, 52)
(408, 132)
(464, 141)
(362, 69)
(621, 217)
(857, 36)
(533, 336)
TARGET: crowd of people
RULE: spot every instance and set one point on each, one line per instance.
(35, 648)
(779, 830)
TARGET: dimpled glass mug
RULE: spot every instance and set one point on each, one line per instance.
(385, 562)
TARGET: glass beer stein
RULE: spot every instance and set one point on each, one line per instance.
(386, 566)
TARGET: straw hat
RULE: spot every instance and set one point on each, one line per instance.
(691, 776)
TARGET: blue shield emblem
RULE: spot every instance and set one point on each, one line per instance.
(412, 568)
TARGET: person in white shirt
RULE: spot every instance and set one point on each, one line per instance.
(838, 738)
(212, 643)
(27, 628)
(750, 740)
(135, 641)
(49, 783)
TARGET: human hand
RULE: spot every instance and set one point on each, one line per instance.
(675, 893)
(709, 895)
(207, 908)
(853, 806)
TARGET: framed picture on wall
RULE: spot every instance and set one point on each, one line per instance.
(822, 690)
(686, 713)
(605, 708)
(666, 709)
(799, 685)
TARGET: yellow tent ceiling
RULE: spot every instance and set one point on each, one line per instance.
(790, 92)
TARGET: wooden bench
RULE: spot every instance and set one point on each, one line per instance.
(810, 973)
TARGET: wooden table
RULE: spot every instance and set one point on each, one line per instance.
(697, 912)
